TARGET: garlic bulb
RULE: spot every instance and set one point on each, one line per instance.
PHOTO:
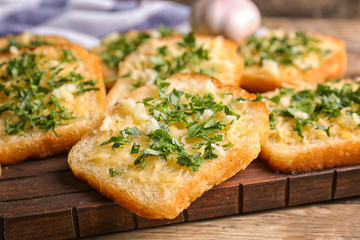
(235, 19)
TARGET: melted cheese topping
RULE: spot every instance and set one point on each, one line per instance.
(160, 173)
(65, 92)
(132, 35)
(309, 60)
(141, 67)
(344, 127)
(13, 50)
(81, 105)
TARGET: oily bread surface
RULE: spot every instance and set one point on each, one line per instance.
(227, 64)
(333, 66)
(88, 108)
(163, 189)
(286, 152)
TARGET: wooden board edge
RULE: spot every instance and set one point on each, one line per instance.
(91, 220)
(312, 188)
(51, 225)
(263, 196)
(48, 165)
(2, 228)
(346, 182)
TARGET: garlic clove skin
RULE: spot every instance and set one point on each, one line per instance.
(197, 17)
(235, 19)
(214, 16)
(242, 22)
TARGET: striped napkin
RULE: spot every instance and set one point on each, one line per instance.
(86, 21)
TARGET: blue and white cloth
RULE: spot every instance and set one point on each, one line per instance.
(86, 21)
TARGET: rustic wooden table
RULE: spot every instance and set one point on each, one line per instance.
(330, 220)
(327, 220)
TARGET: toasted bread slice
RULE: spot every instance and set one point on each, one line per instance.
(163, 188)
(49, 97)
(281, 59)
(162, 57)
(116, 46)
(315, 128)
(28, 40)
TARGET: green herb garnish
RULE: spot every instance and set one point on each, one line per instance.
(124, 138)
(308, 106)
(257, 99)
(166, 66)
(67, 56)
(30, 103)
(136, 85)
(164, 30)
(117, 50)
(285, 50)
(34, 42)
(114, 172)
(176, 107)
(207, 71)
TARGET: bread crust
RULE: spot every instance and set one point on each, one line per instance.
(108, 73)
(255, 79)
(47, 143)
(216, 170)
(122, 87)
(306, 159)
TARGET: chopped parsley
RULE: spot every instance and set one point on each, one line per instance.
(307, 106)
(208, 71)
(67, 56)
(56, 81)
(114, 172)
(126, 75)
(164, 30)
(29, 102)
(257, 99)
(136, 85)
(165, 65)
(18, 44)
(118, 49)
(124, 138)
(286, 50)
(177, 107)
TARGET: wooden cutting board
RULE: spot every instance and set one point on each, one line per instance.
(42, 199)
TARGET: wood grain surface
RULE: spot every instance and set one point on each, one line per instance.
(65, 207)
(331, 220)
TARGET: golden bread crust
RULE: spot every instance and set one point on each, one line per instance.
(211, 173)
(108, 73)
(306, 159)
(255, 79)
(40, 144)
(139, 60)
